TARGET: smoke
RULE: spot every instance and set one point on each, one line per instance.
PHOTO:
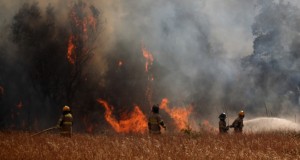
(217, 56)
(273, 65)
(181, 37)
(196, 48)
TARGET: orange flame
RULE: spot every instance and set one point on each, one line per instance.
(88, 21)
(149, 61)
(70, 55)
(180, 115)
(149, 58)
(83, 21)
(135, 123)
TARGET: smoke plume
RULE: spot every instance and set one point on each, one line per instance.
(215, 56)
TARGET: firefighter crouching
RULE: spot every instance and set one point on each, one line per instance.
(155, 122)
(223, 128)
(238, 123)
(65, 122)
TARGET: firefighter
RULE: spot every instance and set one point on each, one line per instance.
(238, 123)
(222, 124)
(155, 122)
(65, 122)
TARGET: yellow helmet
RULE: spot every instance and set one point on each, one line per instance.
(242, 113)
(66, 108)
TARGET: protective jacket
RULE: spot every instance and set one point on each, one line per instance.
(65, 123)
(155, 123)
(222, 126)
(238, 125)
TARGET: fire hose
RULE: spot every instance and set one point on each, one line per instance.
(45, 130)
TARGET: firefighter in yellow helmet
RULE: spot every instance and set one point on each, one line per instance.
(155, 122)
(65, 122)
(238, 123)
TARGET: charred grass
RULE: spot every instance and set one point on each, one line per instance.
(20, 145)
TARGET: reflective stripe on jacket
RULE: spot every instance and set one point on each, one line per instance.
(68, 119)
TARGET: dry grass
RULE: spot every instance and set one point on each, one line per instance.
(19, 145)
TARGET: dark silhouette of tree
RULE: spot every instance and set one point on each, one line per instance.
(42, 45)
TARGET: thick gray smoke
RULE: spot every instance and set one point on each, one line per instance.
(217, 56)
(197, 43)
(273, 66)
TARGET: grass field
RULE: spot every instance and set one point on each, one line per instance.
(20, 145)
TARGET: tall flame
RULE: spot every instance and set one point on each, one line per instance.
(71, 47)
(180, 115)
(149, 58)
(149, 61)
(135, 123)
(83, 23)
